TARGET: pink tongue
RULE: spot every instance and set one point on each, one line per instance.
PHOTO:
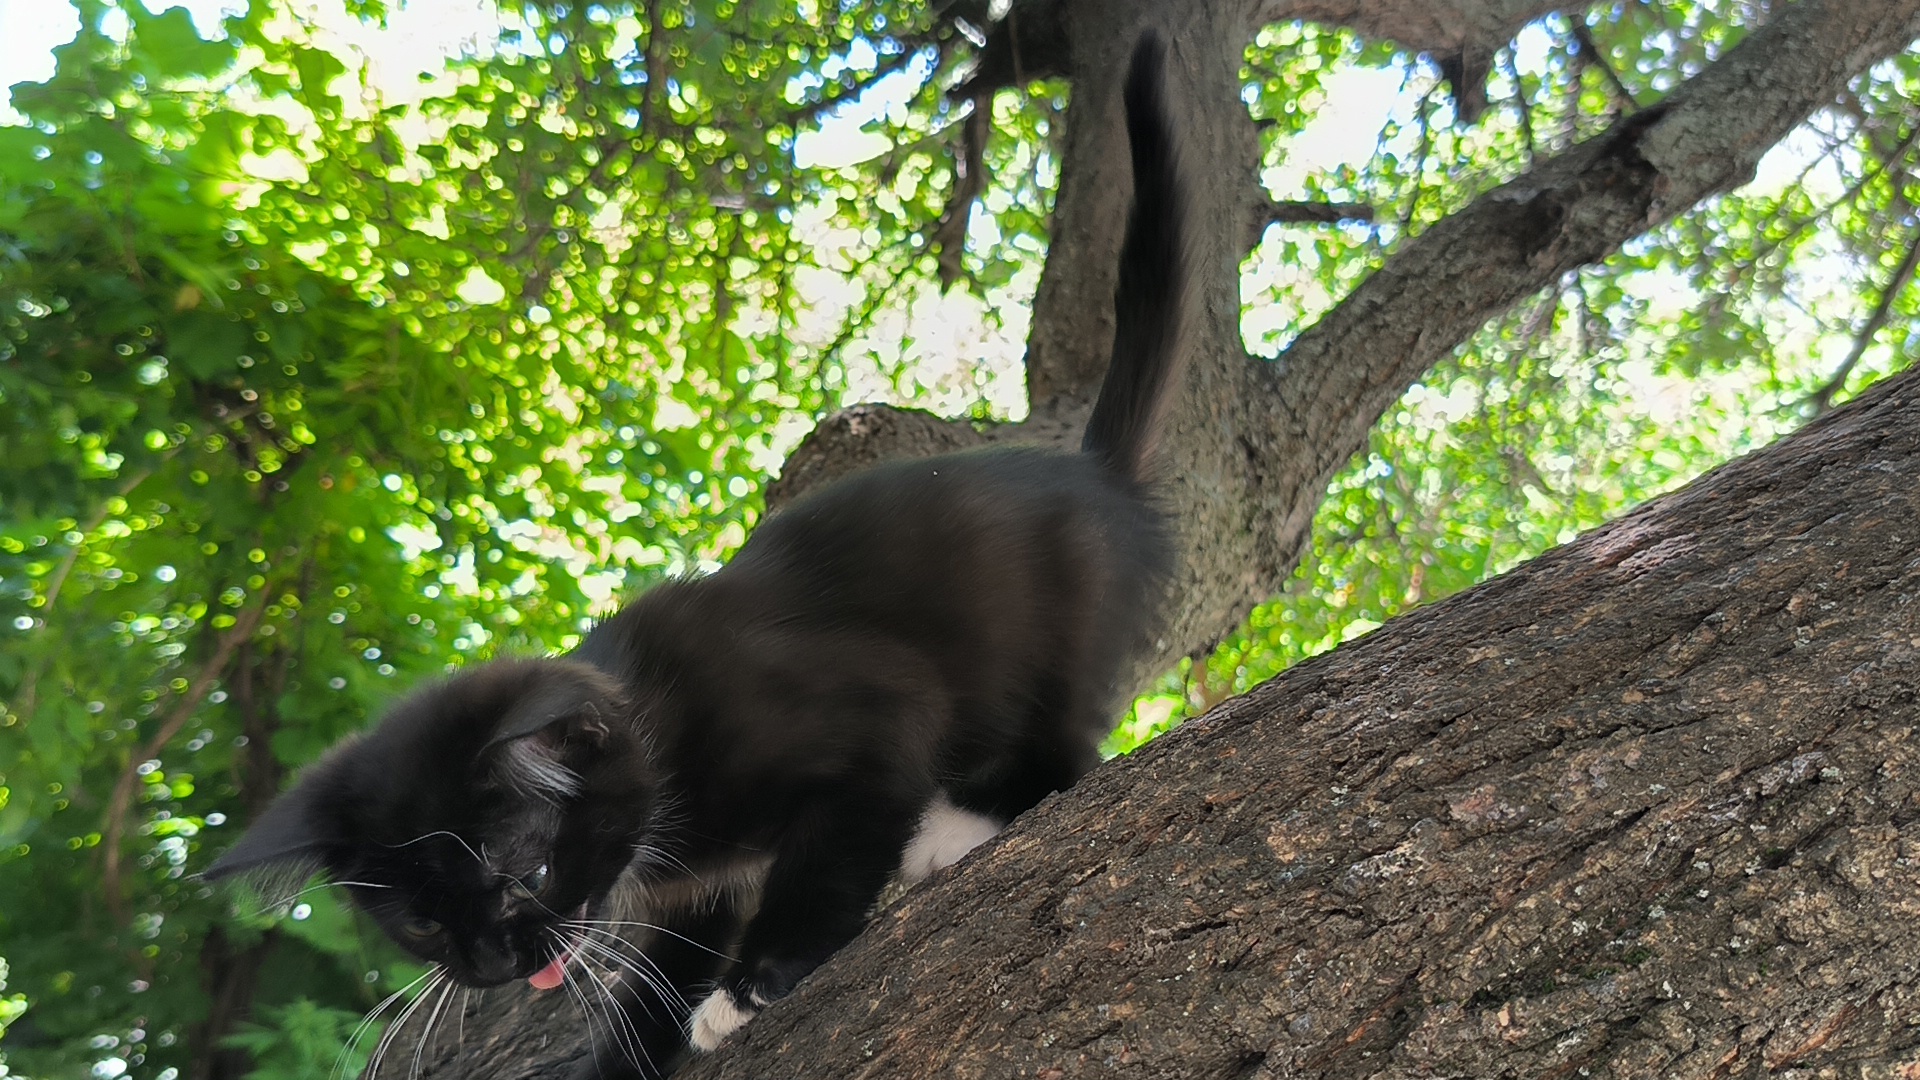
(552, 975)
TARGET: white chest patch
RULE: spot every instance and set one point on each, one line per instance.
(946, 833)
(717, 1017)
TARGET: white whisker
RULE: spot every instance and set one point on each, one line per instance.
(367, 1021)
(579, 996)
(662, 855)
(633, 1045)
(315, 887)
(442, 832)
(373, 1061)
(426, 1033)
(466, 1003)
(582, 949)
(597, 924)
(652, 976)
(393, 1030)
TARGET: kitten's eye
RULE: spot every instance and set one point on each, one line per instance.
(535, 883)
(420, 926)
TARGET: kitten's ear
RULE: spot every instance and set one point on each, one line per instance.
(531, 743)
(557, 711)
(285, 844)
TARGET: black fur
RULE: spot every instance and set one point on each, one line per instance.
(744, 757)
(1152, 283)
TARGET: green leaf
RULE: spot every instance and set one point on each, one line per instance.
(206, 344)
(168, 46)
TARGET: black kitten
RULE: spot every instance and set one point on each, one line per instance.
(887, 673)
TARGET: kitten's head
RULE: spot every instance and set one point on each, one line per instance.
(478, 816)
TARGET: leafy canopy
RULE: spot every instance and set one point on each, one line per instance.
(312, 385)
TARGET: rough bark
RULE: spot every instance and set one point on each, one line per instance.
(1257, 441)
(866, 435)
(1648, 806)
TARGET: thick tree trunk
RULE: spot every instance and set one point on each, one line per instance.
(230, 974)
(1648, 806)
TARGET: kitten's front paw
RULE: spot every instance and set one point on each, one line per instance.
(719, 1016)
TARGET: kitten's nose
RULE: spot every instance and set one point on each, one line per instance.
(493, 964)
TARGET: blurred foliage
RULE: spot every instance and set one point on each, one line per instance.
(310, 388)
(302, 1040)
(313, 383)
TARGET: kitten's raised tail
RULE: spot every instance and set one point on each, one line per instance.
(1152, 287)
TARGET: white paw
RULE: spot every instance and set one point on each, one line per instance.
(716, 1018)
(946, 833)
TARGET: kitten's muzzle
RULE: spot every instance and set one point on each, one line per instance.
(494, 965)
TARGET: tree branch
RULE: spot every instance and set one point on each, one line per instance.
(655, 59)
(1584, 35)
(1442, 27)
(121, 801)
(1466, 71)
(1571, 210)
(1030, 42)
(1251, 451)
(28, 697)
(1822, 399)
(1248, 456)
(1302, 212)
(949, 240)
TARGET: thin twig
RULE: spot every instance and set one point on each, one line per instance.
(1524, 106)
(1822, 399)
(1534, 325)
(1419, 162)
(28, 698)
(862, 317)
(1880, 166)
(197, 689)
(1297, 211)
(851, 91)
(1302, 212)
(1584, 36)
(1013, 40)
(654, 60)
